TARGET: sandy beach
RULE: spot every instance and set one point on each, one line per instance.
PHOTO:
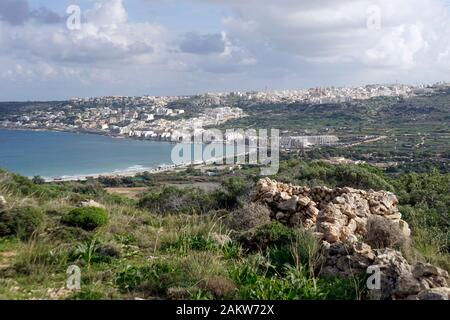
(124, 173)
(140, 170)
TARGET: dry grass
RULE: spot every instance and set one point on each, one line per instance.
(248, 217)
(383, 233)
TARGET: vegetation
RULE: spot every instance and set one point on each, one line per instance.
(86, 218)
(21, 222)
(191, 243)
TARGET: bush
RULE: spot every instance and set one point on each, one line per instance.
(175, 200)
(301, 251)
(383, 233)
(249, 216)
(344, 288)
(229, 193)
(154, 279)
(272, 234)
(218, 287)
(86, 218)
(296, 285)
(20, 221)
(185, 243)
(131, 277)
(86, 294)
(305, 249)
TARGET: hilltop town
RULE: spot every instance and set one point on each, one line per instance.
(157, 118)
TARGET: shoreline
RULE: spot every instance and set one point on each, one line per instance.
(115, 174)
(133, 172)
(130, 171)
(86, 132)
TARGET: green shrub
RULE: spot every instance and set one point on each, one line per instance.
(154, 279)
(344, 288)
(86, 294)
(227, 196)
(20, 221)
(131, 277)
(295, 285)
(86, 218)
(175, 200)
(91, 252)
(231, 250)
(272, 234)
(279, 257)
(186, 243)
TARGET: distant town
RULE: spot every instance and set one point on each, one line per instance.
(159, 118)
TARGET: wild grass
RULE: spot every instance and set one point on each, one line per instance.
(146, 254)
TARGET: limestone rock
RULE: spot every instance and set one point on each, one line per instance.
(426, 269)
(303, 201)
(404, 228)
(91, 203)
(392, 267)
(338, 218)
(434, 294)
(289, 205)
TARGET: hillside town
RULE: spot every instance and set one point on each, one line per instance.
(110, 117)
(158, 118)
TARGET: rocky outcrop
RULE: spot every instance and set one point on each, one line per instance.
(400, 280)
(339, 217)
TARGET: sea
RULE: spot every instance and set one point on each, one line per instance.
(62, 154)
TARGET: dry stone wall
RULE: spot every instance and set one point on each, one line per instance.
(339, 218)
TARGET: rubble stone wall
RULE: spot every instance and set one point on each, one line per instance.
(338, 217)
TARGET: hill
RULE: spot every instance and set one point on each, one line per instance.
(175, 243)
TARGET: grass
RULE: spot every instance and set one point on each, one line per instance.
(145, 254)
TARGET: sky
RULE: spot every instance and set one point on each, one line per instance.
(184, 47)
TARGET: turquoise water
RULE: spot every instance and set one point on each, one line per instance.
(58, 154)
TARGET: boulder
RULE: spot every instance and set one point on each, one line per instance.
(422, 269)
(289, 205)
(392, 266)
(434, 294)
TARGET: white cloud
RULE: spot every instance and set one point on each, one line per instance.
(291, 43)
(107, 35)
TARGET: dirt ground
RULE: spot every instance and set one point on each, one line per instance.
(132, 193)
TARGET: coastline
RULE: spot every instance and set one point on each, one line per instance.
(119, 173)
(134, 172)
(127, 172)
(86, 132)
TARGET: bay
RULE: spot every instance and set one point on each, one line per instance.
(60, 154)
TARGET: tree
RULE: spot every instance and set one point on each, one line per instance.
(38, 180)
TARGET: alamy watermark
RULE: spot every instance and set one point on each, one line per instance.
(374, 280)
(73, 21)
(373, 21)
(235, 146)
(74, 280)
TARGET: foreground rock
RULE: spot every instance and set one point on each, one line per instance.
(339, 214)
(340, 218)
